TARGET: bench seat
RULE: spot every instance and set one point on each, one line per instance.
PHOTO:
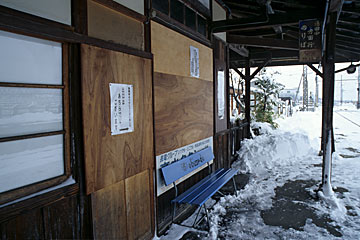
(206, 188)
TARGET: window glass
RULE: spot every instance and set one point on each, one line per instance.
(26, 111)
(190, 18)
(26, 59)
(161, 5)
(201, 25)
(28, 161)
(177, 11)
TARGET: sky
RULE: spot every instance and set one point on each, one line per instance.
(290, 77)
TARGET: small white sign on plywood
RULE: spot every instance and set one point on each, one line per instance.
(194, 62)
(122, 108)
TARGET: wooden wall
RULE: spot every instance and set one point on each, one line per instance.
(183, 105)
(183, 111)
(119, 168)
(108, 24)
(172, 54)
(222, 133)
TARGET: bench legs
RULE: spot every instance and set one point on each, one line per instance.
(235, 189)
(206, 214)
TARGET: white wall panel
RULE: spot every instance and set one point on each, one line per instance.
(136, 5)
(219, 14)
(56, 10)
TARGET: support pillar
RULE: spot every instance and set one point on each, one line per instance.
(247, 96)
(328, 103)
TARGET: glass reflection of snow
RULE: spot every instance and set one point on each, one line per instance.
(28, 161)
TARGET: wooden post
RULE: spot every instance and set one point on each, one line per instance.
(247, 96)
(328, 102)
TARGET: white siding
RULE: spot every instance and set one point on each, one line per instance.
(136, 5)
(56, 10)
(219, 14)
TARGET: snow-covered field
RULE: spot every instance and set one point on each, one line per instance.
(280, 200)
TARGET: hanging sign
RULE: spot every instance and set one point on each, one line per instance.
(221, 94)
(309, 40)
(194, 62)
(122, 108)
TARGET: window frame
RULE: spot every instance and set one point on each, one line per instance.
(183, 25)
(26, 190)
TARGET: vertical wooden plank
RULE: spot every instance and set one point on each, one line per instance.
(110, 159)
(25, 226)
(138, 207)
(61, 220)
(79, 16)
(109, 212)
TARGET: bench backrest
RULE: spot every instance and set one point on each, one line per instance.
(186, 165)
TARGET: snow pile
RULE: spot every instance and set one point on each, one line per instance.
(286, 159)
(273, 148)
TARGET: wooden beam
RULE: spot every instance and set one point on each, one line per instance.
(237, 71)
(264, 42)
(260, 67)
(315, 70)
(241, 24)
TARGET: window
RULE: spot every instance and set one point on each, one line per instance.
(33, 115)
(184, 12)
(177, 10)
(190, 18)
(201, 25)
(161, 5)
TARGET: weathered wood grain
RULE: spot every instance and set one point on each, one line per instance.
(25, 226)
(107, 24)
(138, 206)
(110, 159)
(172, 53)
(183, 111)
(61, 219)
(109, 212)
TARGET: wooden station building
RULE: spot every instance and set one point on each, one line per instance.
(97, 95)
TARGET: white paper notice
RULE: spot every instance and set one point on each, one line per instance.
(221, 94)
(194, 62)
(122, 108)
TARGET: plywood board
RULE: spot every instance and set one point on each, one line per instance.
(172, 53)
(109, 212)
(183, 111)
(110, 159)
(107, 24)
(138, 205)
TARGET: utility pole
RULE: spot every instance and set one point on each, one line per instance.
(358, 88)
(305, 89)
(316, 91)
(341, 91)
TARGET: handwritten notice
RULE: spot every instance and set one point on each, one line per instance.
(194, 62)
(122, 108)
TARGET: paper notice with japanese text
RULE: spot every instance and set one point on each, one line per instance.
(122, 108)
(194, 62)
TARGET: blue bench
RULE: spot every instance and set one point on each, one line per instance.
(201, 191)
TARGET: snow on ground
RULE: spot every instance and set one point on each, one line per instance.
(280, 200)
